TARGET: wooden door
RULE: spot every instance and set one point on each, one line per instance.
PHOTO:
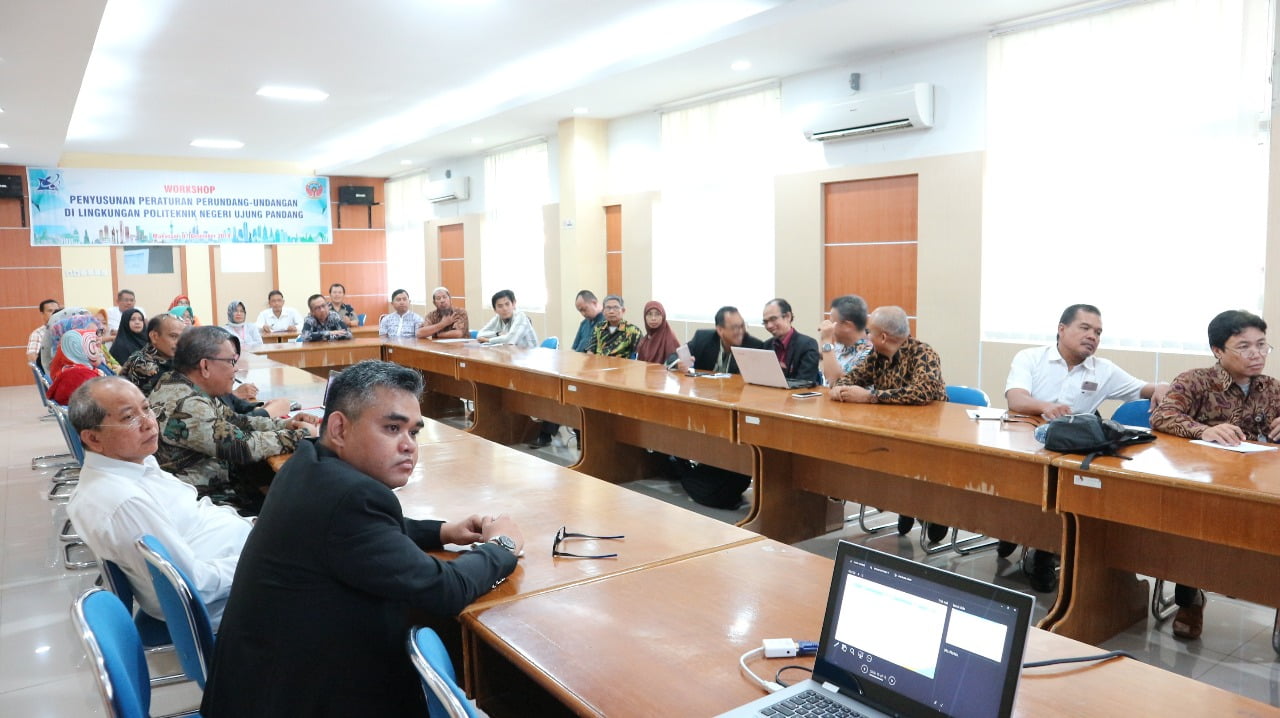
(870, 241)
(453, 275)
(613, 248)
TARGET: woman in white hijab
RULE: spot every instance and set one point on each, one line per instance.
(248, 334)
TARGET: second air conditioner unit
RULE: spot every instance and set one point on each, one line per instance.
(448, 190)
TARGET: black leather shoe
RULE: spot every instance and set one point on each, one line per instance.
(904, 524)
(937, 532)
(1006, 548)
(543, 441)
(1044, 571)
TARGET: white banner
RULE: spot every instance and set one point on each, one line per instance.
(76, 207)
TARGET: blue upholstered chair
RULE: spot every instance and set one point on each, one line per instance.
(1134, 413)
(115, 654)
(551, 342)
(184, 611)
(153, 632)
(428, 655)
(475, 333)
(360, 319)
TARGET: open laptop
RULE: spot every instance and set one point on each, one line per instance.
(318, 411)
(900, 638)
(760, 366)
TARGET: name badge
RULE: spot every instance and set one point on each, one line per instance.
(1089, 386)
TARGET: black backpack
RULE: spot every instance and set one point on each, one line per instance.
(1092, 436)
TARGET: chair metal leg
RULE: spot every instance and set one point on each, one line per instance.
(862, 520)
(67, 473)
(77, 563)
(938, 547)
(1162, 607)
(168, 678)
(52, 461)
(62, 491)
(68, 532)
(973, 544)
(1275, 633)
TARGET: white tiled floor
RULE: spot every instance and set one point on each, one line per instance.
(43, 671)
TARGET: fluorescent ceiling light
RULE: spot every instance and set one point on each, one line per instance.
(300, 94)
(3, 146)
(580, 110)
(740, 65)
(217, 144)
(477, 140)
(406, 162)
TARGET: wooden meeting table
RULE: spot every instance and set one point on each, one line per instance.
(666, 641)
(1196, 514)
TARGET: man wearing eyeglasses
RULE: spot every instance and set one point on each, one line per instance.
(1228, 403)
(1066, 378)
(123, 493)
(316, 621)
(206, 443)
(713, 350)
(797, 353)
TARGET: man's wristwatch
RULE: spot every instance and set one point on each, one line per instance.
(828, 347)
(505, 542)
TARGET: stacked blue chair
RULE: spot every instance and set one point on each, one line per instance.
(429, 656)
(551, 342)
(153, 632)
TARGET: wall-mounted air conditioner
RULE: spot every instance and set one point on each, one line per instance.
(903, 108)
(448, 190)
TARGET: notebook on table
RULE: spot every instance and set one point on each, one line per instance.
(900, 638)
(760, 366)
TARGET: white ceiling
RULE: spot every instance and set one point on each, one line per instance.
(408, 79)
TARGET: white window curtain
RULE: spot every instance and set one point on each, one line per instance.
(713, 235)
(512, 252)
(407, 212)
(1126, 167)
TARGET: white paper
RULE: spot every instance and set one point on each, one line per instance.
(986, 412)
(1245, 448)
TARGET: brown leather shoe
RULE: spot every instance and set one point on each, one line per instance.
(1189, 622)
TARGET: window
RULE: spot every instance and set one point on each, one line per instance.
(713, 235)
(407, 212)
(1126, 167)
(513, 240)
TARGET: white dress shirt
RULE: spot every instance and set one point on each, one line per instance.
(118, 501)
(288, 318)
(1043, 372)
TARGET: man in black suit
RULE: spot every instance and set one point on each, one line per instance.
(712, 351)
(315, 624)
(797, 353)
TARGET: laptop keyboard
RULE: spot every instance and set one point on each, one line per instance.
(809, 704)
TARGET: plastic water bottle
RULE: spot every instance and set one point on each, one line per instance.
(1041, 431)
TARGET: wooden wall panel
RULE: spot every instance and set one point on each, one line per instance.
(613, 266)
(613, 228)
(450, 239)
(357, 259)
(27, 276)
(451, 242)
(453, 277)
(874, 210)
(879, 273)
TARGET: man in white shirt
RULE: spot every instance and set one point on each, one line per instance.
(124, 302)
(123, 494)
(1066, 378)
(277, 317)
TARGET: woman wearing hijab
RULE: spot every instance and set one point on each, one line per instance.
(188, 316)
(75, 322)
(248, 335)
(659, 342)
(131, 335)
(51, 337)
(84, 362)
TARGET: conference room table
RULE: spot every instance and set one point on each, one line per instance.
(362, 332)
(1174, 500)
(666, 641)
(1199, 515)
(658, 629)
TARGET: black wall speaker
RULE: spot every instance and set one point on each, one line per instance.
(355, 195)
(10, 186)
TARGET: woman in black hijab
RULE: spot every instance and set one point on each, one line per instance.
(130, 335)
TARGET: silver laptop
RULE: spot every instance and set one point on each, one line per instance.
(760, 366)
(900, 638)
(318, 411)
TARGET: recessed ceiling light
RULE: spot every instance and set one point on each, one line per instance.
(1, 110)
(3, 146)
(580, 110)
(740, 65)
(477, 140)
(217, 144)
(406, 162)
(300, 94)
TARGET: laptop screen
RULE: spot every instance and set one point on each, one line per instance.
(921, 640)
